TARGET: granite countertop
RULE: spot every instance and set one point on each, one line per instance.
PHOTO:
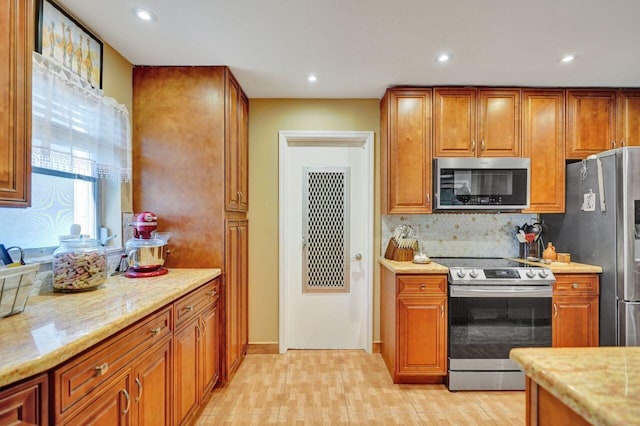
(601, 384)
(56, 326)
(409, 267)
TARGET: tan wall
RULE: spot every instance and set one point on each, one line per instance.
(266, 118)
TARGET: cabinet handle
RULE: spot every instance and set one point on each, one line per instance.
(613, 144)
(482, 145)
(239, 194)
(473, 145)
(139, 390)
(555, 310)
(197, 332)
(428, 197)
(126, 395)
(423, 286)
(188, 308)
(155, 331)
(622, 143)
(204, 328)
(442, 310)
(575, 285)
(212, 293)
(102, 369)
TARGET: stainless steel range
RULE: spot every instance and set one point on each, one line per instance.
(494, 305)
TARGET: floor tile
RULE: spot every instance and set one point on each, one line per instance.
(456, 418)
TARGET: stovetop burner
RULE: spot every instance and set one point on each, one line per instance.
(480, 262)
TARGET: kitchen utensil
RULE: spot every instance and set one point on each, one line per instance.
(146, 252)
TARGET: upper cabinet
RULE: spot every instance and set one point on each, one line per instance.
(16, 45)
(405, 151)
(591, 122)
(543, 144)
(237, 147)
(472, 122)
(628, 132)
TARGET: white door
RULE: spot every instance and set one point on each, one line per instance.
(326, 240)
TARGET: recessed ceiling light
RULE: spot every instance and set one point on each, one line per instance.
(144, 14)
(312, 78)
(568, 58)
(444, 57)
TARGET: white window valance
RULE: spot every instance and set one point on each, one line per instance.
(75, 128)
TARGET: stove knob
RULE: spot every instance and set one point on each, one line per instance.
(531, 273)
(543, 273)
(461, 273)
(474, 273)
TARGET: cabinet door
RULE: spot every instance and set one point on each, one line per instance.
(186, 377)
(543, 144)
(243, 283)
(422, 336)
(16, 44)
(591, 122)
(236, 147)
(243, 152)
(152, 388)
(26, 403)
(575, 321)
(406, 154)
(210, 349)
(111, 407)
(628, 133)
(232, 297)
(455, 122)
(498, 123)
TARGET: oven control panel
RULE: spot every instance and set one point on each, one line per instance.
(497, 276)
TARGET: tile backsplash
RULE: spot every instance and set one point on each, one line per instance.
(461, 234)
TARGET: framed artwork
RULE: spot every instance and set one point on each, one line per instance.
(62, 38)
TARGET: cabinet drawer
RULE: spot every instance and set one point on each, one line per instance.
(195, 302)
(80, 376)
(576, 284)
(422, 285)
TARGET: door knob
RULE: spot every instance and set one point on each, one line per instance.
(358, 256)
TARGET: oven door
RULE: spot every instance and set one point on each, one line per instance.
(485, 323)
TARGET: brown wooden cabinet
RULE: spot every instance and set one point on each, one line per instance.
(472, 122)
(236, 298)
(413, 326)
(628, 131)
(575, 310)
(236, 150)
(25, 403)
(197, 351)
(16, 44)
(591, 122)
(406, 151)
(193, 122)
(543, 144)
(153, 381)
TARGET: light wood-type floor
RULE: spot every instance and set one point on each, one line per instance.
(347, 387)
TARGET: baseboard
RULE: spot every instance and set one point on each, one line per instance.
(274, 348)
(263, 349)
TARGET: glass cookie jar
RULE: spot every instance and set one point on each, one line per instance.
(79, 265)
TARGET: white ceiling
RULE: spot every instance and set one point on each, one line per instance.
(358, 48)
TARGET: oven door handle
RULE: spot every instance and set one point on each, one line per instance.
(500, 291)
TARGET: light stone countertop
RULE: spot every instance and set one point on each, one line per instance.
(56, 326)
(601, 384)
(409, 267)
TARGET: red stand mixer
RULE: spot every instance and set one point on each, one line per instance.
(146, 251)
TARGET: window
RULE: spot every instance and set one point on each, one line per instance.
(79, 137)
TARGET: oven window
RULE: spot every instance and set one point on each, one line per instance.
(487, 328)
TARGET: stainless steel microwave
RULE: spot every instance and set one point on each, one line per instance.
(495, 184)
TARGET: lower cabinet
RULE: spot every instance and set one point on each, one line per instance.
(575, 310)
(413, 326)
(196, 358)
(152, 386)
(25, 403)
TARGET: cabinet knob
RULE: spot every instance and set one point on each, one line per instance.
(102, 369)
(423, 286)
(188, 308)
(575, 285)
(212, 293)
(155, 331)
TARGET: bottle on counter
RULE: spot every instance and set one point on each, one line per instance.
(550, 252)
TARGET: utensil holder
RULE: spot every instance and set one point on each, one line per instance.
(531, 249)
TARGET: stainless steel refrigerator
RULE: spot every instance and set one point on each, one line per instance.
(601, 226)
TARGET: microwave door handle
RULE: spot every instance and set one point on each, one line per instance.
(501, 291)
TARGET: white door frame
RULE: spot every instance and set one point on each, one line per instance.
(366, 140)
